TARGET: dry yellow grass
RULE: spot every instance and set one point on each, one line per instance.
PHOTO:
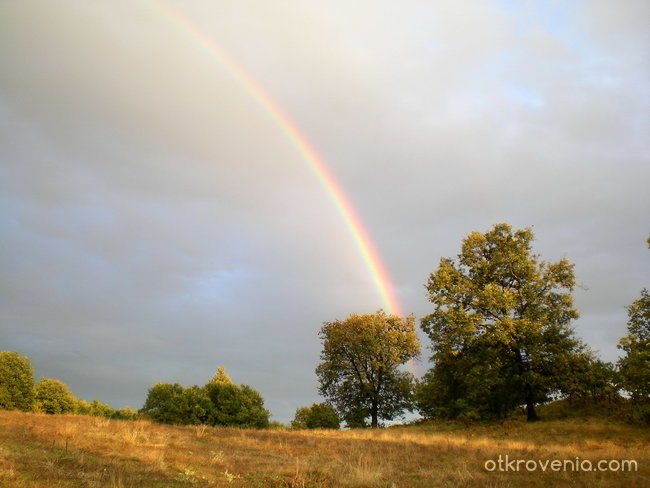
(73, 451)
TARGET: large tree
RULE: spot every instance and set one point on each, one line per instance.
(500, 328)
(16, 382)
(359, 370)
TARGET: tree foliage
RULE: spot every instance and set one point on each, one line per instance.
(219, 402)
(590, 380)
(499, 329)
(98, 409)
(234, 405)
(16, 382)
(171, 404)
(359, 370)
(53, 397)
(634, 367)
(317, 416)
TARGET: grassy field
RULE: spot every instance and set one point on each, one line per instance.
(38, 450)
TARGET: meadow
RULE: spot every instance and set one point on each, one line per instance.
(38, 450)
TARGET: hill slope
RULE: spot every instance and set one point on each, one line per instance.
(74, 451)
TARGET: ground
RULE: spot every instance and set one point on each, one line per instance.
(38, 450)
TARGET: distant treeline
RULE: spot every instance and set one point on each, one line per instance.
(19, 392)
(219, 402)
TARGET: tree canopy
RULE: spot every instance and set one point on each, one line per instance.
(359, 370)
(500, 328)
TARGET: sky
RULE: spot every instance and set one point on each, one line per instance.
(158, 221)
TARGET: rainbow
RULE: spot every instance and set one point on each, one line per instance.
(356, 229)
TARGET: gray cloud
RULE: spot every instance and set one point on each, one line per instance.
(156, 223)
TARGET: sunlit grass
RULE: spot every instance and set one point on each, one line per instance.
(51, 451)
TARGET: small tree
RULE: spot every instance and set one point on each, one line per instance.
(318, 416)
(195, 406)
(54, 397)
(235, 405)
(165, 403)
(172, 404)
(252, 412)
(94, 409)
(634, 367)
(500, 327)
(359, 370)
(588, 380)
(300, 418)
(16, 382)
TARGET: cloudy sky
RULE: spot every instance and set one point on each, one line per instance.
(156, 222)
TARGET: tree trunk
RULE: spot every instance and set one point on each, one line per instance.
(531, 415)
(374, 415)
(528, 390)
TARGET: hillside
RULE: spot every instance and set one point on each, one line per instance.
(74, 451)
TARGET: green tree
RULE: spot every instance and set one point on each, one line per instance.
(98, 409)
(195, 406)
(500, 328)
(172, 404)
(220, 402)
(235, 405)
(164, 403)
(16, 382)
(590, 380)
(300, 418)
(54, 397)
(359, 370)
(125, 413)
(634, 367)
(94, 409)
(252, 412)
(318, 416)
